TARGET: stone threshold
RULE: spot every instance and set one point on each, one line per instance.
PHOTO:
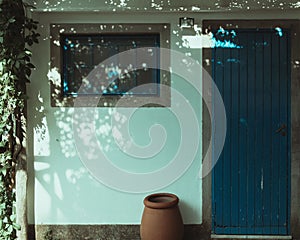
(233, 237)
(104, 232)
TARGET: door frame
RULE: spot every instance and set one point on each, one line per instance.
(294, 26)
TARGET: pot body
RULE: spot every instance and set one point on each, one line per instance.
(161, 219)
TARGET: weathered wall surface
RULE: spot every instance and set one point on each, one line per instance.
(61, 190)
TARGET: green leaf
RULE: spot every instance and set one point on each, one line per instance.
(30, 65)
(28, 52)
(3, 171)
(10, 229)
(29, 42)
(12, 20)
(17, 64)
(12, 217)
(16, 226)
(21, 55)
(27, 71)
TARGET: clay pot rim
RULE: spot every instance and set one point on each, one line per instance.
(151, 204)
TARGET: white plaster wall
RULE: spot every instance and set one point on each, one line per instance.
(61, 191)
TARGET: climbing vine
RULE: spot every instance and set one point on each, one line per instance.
(17, 32)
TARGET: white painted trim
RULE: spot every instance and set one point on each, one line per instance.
(273, 237)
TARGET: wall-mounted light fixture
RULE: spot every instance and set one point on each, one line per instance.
(186, 22)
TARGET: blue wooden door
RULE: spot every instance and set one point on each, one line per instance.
(251, 180)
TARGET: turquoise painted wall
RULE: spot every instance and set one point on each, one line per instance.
(62, 190)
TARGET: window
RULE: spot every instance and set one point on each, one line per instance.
(97, 60)
(82, 53)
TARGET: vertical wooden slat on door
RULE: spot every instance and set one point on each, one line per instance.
(275, 125)
(267, 134)
(234, 138)
(259, 144)
(251, 180)
(243, 133)
(250, 106)
(227, 150)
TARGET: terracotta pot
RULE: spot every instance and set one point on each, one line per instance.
(161, 218)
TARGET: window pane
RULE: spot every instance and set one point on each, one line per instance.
(114, 75)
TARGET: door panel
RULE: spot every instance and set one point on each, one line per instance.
(251, 181)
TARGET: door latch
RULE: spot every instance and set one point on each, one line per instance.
(281, 130)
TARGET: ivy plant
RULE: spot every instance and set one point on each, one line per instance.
(17, 33)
